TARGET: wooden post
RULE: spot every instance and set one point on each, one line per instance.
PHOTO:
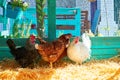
(51, 19)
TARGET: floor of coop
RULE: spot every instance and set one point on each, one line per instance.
(107, 69)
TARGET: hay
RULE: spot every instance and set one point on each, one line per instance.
(108, 69)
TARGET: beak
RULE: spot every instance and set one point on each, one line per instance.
(76, 39)
(36, 46)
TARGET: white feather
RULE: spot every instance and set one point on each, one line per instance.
(79, 52)
(86, 41)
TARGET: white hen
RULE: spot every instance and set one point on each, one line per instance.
(79, 51)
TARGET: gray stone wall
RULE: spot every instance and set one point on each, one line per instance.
(66, 3)
(84, 5)
(107, 25)
(59, 3)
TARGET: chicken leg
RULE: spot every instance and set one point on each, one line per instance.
(51, 65)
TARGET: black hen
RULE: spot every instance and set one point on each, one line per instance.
(25, 55)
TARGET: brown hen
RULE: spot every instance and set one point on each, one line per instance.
(24, 55)
(52, 51)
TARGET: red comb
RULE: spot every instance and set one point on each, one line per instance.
(32, 39)
(32, 36)
(76, 39)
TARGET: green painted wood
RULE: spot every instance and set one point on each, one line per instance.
(18, 42)
(64, 11)
(51, 20)
(105, 42)
(5, 53)
(105, 47)
(2, 2)
(3, 19)
(105, 51)
(99, 57)
(100, 48)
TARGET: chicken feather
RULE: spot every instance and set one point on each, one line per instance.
(79, 51)
(24, 55)
(52, 51)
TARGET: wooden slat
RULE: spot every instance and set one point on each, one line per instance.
(84, 20)
(84, 14)
(51, 19)
(105, 42)
(105, 51)
(98, 57)
(63, 17)
(65, 27)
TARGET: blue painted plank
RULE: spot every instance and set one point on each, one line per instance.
(95, 21)
(66, 21)
(93, 8)
(30, 14)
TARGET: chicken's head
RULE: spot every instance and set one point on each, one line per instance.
(76, 40)
(65, 38)
(32, 39)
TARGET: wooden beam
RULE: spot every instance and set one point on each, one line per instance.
(51, 20)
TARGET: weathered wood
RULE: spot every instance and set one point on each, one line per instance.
(65, 27)
(51, 20)
(102, 47)
(70, 18)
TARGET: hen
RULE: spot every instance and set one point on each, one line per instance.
(53, 51)
(79, 51)
(25, 55)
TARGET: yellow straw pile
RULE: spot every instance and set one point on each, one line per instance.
(108, 69)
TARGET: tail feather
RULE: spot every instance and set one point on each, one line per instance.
(11, 44)
(86, 40)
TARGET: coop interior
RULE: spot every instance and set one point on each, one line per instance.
(59, 40)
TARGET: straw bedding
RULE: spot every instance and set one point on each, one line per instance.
(108, 69)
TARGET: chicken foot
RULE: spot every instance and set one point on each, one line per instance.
(51, 65)
(78, 63)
